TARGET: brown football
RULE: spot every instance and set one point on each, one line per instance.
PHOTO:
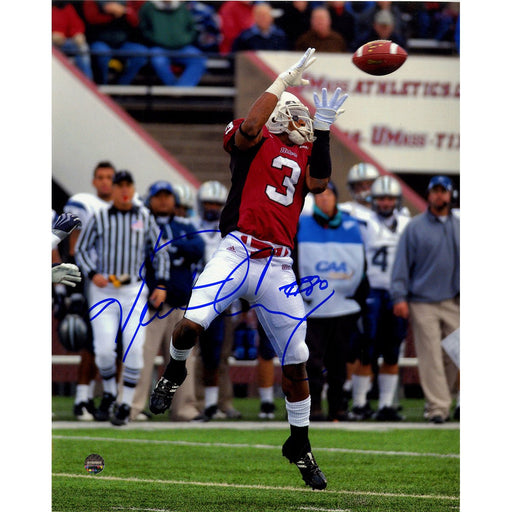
(379, 57)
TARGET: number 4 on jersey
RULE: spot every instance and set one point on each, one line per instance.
(380, 258)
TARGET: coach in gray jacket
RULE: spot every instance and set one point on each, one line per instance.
(425, 287)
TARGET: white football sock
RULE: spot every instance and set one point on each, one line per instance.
(298, 412)
(81, 393)
(110, 386)
(387, 389)
(179, 355)
(266, 394)
(361, 384)
(211, 396)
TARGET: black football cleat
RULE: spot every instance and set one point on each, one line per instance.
(121, 416)
(161, 397)
(305, 461)
(388, 414)
(102, 413)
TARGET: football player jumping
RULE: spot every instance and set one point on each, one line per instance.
(278, 155)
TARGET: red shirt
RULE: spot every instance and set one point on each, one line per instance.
(268, 187)
(67, 21)
(235, 17)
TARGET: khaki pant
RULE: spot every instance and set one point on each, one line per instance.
(431, 323)
(158, 334)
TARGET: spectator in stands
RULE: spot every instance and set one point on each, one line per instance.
(382, 21)
(235, 17)
(425, 287)
(207, 25)
(295, 18)
(185, 250)
(264, 34)
(330, 246)
(446, 22)
(68, 34)
(111, 31)
(342, 20)
(320, 35)
(169, 26)
(383, 28)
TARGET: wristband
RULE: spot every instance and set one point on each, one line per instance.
(246, 135)
(320, 166)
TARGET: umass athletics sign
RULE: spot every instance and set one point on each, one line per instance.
(409, 121)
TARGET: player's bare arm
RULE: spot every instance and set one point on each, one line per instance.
(249, 133)
(315, 185)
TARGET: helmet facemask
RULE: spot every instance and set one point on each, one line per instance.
(290, 110)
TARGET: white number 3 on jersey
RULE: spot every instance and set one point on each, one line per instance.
(289, 182)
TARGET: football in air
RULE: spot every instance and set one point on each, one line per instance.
(379, 57)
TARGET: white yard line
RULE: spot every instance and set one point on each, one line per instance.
(257, 487)
(257, 446)
(256, 425)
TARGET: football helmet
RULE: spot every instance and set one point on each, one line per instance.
(290, 109)
(211, 192)
(73, 332)
(362, 171)
(386, 186)
(185, 196)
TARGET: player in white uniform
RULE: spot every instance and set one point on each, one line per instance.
(84, 205)
(185, 201)
(360, 178)
(211, 197)
(383, 331)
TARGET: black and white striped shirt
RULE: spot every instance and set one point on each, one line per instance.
(116, 242)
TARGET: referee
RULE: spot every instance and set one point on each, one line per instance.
(111, 251)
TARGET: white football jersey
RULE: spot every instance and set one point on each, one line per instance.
(380, 246)
(210, 233)
(84, 205)
(355, 209)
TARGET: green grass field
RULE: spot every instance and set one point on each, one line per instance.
(155, 467)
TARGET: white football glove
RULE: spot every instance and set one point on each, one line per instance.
(293, 76)
(66, 273)
(328, 111)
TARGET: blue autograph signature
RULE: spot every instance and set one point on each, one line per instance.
(305, 287)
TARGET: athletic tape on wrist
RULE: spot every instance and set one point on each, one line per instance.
(277, 88)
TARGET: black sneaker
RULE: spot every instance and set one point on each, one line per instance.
(304, 460)
(388, 414)
(437, 419)
(121, 416)
(361, 413)
(102, 413)
(267, 411)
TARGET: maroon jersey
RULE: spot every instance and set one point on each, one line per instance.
(268, 187)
